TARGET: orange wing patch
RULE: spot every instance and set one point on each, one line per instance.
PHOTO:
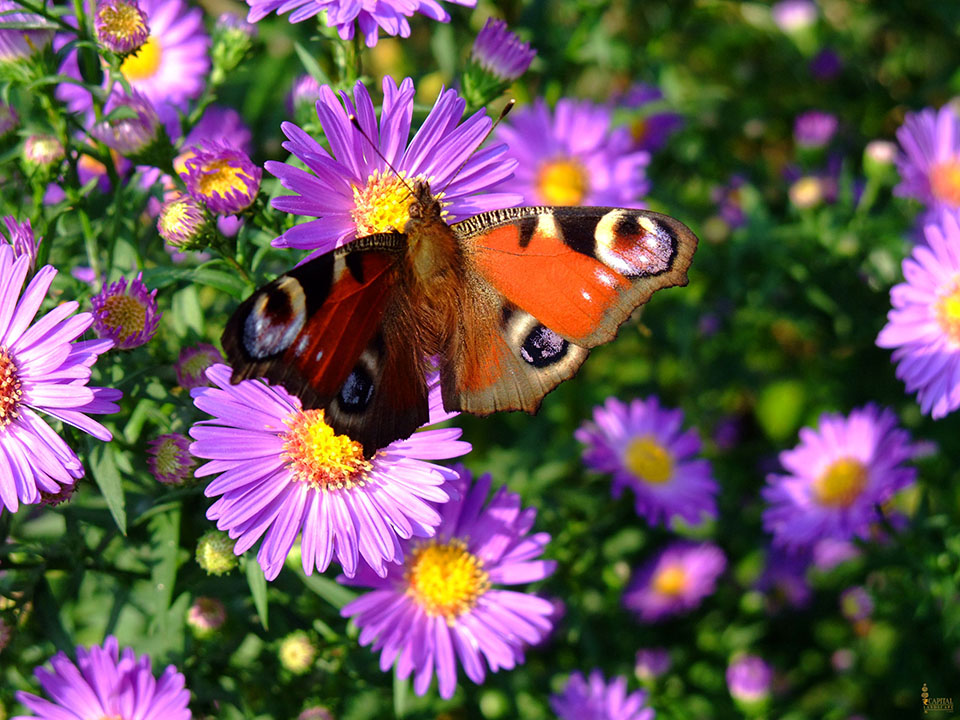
(566, 290)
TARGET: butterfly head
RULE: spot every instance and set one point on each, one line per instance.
(424, 208)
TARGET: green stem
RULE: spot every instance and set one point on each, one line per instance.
(90, 242)
(42, 11)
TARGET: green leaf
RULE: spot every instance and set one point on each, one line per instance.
(311, 65)
(335, 594)
(228, 282)
(258, 589)
(103, 467)
(780, 407)
(165, 544)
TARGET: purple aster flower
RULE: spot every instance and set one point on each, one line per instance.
(15, 43)
(304, 94)
(285, 472)
(729, 202)
(794, 15)
(749, 678)
(169, 69)
(180, 221)
(120, 25)
(646, 449)
(856, 603)
(206, 615)
(442, 605)
(192, 364)
(371, 17)
(42, 150)
(826, 64)
(831, 552)
(105, 683)
(169, 459)
(784, 578)
(317, 712)
(354, 193)
(21, 239)
(41, 368)
(649, 131)
(500, 52)
(651, 663)
(595, 699)
(675, 581)
(838, 475)
(573, 156)
(923, 327)
(930, 164)
(222, 177)
(814, 128)
(128, 135)
(126, 314)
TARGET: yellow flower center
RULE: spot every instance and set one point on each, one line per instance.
(316, 455)
(175, 219)
(945, 181)
(841, 483)
(122, 22)
(382, 204)
(144, 63)
(10, 392)
(445, 579)
(671, 580)
(806, 192)
(947, 309)
(562, 182)
(124, 314)
(649, 460)
(220, 177)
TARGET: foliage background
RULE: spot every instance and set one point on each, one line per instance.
(776, 326)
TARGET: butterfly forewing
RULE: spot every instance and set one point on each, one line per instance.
(317, 331)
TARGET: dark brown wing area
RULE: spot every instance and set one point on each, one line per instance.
(317, 331)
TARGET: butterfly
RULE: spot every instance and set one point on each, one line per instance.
(507, 304)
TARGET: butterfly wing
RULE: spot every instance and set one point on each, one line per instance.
(550, 283)
(319, 331)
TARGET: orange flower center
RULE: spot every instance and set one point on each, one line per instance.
(316, 455)
(671, 580)
(444, 578)
(945, 181)
(10, 392)
(562, 182)
(125, 314)
(649, 460)
(144, 63)
(841, 483)
(947, 309)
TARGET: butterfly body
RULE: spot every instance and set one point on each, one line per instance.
(507, 303)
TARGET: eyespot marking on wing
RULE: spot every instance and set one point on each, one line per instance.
(634, 245)
(357, 392)
(539, 346)
(275, 320)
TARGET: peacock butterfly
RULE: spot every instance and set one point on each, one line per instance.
(508, 302)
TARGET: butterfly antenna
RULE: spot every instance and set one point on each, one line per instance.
(503, 113)
(356, 123)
